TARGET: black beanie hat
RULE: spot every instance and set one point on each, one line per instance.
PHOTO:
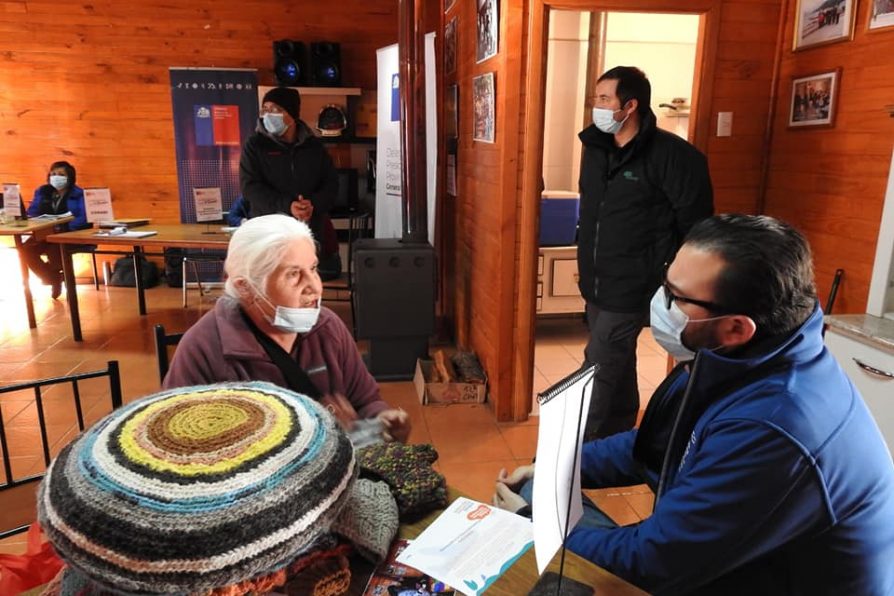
(288, 99)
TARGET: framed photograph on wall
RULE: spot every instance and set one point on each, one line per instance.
(814, 100)
(818, 22)
(450, 46)
(881, 14)
(488, 29)
(483, 100)
(451, 108)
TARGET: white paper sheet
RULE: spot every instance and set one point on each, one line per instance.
(98, 205)
(12, 200)
(470, 545)
(558, 465)
(208, 203)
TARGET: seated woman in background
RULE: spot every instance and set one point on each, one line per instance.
(59, 195)
(270, 326)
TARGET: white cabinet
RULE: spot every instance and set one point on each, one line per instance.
(557, 291)
(871, 368)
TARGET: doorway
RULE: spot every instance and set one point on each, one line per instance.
(579, 45)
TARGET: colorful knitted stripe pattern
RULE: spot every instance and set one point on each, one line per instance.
(197, 488)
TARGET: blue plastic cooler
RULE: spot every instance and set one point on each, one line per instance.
(558, 217)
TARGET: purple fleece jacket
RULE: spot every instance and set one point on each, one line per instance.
(221, 347)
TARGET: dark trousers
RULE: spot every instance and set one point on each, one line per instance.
(49, 271)
(615, 400)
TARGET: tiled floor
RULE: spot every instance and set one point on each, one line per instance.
(472, 445)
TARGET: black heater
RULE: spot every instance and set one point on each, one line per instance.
(394, 303)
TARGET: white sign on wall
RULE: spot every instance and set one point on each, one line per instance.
(98, 205)
(209, 205)
(389, 164)
(12, 200)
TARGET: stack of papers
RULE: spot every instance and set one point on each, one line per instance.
(50, 217)
(124, 233)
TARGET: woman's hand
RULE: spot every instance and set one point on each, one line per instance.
(302, 209)
(397, 425)
(339, 406)
(508, 500)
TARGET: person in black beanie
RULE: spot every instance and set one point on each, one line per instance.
(285, 169)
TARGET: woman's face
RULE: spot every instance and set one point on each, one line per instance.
(59, 171)
(295, 282)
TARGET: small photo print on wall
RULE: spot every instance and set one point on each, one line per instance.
(451, 107)
(450, 46)
(483, 101)
(814, 100)
(488, 29)
(818, 22)
(881, 14)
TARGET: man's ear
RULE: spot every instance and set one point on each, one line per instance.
(736, 330)
(632, 103)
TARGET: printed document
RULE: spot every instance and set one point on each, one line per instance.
(470, 545)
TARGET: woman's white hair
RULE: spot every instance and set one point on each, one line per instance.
(257, 247)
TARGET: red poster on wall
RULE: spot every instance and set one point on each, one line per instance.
(226, 125)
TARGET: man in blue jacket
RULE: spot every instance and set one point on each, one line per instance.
(770, 474)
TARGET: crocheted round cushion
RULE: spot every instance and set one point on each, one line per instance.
(197, 488)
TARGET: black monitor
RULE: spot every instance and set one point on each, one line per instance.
(348, 197)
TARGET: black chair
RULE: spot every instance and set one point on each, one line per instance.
(12, 483)
(162, 342)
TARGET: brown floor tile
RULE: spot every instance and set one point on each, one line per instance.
(521, 438)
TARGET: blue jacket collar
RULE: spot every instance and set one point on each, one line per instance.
(802, 345)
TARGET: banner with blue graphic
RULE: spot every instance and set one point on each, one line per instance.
(215, 110)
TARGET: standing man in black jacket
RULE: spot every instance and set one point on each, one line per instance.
(285, 169)
(642, 188)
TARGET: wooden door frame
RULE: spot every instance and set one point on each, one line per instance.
(529, 179)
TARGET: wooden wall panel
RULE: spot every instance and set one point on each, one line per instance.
(88, 82)
(830, 183)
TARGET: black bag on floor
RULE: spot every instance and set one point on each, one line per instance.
(123, 273)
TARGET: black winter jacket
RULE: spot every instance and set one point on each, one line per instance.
(273, 173)
(637, 204)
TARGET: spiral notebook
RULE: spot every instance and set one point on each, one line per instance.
(557, 499)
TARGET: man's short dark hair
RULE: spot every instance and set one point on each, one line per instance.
(769, 269)
(632, 84)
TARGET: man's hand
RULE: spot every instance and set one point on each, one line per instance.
(302, 209)
(397, 425)
(504, 498)
(518, 476)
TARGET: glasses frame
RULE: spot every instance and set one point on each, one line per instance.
(670, 297)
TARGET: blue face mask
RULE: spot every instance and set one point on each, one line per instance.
(668, 325)
(58, 182)
(290, 319)
(604, 119)
(274, 123)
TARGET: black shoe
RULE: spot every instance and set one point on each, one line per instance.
(57, 289)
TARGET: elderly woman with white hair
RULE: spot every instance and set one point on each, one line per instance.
(270, 326)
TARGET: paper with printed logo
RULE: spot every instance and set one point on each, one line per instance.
(98, 205)
(209, 206)
(470, 545)
(12, 201)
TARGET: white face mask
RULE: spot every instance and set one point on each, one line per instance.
(58, 182)
(289, 319)
(668, 325)
(274, 123)
(604, 119)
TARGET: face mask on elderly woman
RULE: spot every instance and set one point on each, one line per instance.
(289, 319)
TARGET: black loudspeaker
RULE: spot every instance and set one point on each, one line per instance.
(394, 303)
(290, 63)
(325, 64)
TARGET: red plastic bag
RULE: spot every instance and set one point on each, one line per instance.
(37, 566)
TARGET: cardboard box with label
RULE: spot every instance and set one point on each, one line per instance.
(445, 393)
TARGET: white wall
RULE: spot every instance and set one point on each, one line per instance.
(566, 71)
(664, 47)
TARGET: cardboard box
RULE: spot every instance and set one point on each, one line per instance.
(445, 393)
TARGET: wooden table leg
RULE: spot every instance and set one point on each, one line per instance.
(138, 277)
(71, 292)
(23, 264)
